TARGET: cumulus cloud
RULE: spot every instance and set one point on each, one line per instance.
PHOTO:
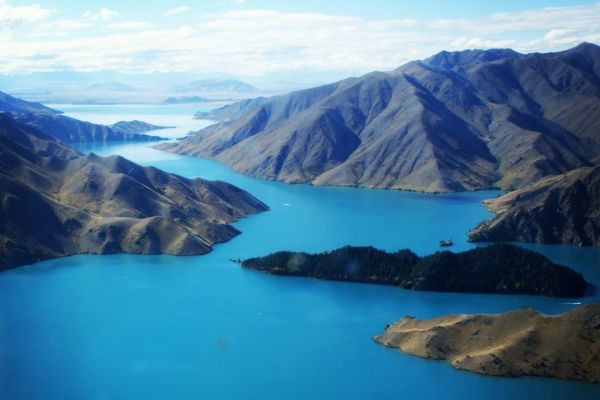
(223, 3)
(576, 17)
(128, 25)
(547, 29)
(103, 14)
(176, 10)
(255, 42)
(63, 25)
(12, 16)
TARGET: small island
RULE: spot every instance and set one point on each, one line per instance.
(136, 127)
(184, 100)
(517, 343)
(498, 268)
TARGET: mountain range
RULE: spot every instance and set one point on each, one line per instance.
(111, 86)
(215, 85)
(55, 202)
(456, 121)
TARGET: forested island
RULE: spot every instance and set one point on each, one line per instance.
(498, 268)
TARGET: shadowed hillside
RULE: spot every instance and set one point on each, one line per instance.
(71, 130)
(456, 121)
(557, 209)
(55, 202)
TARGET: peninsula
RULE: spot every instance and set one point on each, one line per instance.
(71, 130)
(559, 209)
(517, 343)
(56, 202)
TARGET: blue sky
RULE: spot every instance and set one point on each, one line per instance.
(260, 37)
(367, 8)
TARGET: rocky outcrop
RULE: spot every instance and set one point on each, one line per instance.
(499, 268)
(559, 209)
(55, 202)
(517, 343)
(456, 121)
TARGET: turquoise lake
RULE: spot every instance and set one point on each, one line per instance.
(164, 327)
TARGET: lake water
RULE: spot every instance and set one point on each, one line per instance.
(178, 117)
(164, 327)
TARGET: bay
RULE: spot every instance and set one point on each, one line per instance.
(157, 327)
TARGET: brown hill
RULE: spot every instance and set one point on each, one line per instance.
(55, 202)
(516, 343)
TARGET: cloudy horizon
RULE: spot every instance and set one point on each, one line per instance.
(243, 38)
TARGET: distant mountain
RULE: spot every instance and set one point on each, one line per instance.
(231, 110)
(184, 100)
(216, 85)
(558, 209)
(111, 86)
(12, 104)
(68, 129)
(135, 127)
(56, 202)
(456, 121)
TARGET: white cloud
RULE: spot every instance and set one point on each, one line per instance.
(255, 42)
(223, 3)
(577, 17)
(12, 16)
(176, 10)
(465, 42)
(63, 25)
(549, 29)
(558, 34)
(128, 25)
(103, 14)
